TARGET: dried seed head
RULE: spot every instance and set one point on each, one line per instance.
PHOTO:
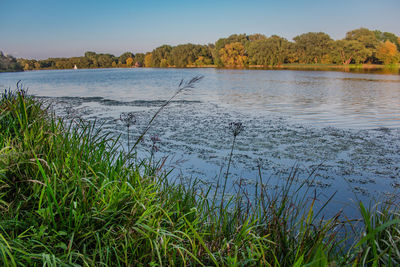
(128, 118)
(236, 128)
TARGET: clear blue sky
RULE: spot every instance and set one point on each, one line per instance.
(43, 28)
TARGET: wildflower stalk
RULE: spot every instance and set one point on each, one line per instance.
(236, 128)
(128, 119)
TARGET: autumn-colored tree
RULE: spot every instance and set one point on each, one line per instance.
(238, 50)
(203, 61)
(122, 60)
(222, 42)
(129, 62)
(163, 63)
(384, 36)
(148, 60)
(233, 55)
(28, 64)
(387, 53)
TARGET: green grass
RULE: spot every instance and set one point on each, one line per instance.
(69, 196)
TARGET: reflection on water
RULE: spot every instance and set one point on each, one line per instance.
(319, 98)
(344, 125)
(362, 70)
(337, 99)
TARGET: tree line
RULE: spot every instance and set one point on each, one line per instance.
(9, 63)
(360, 46)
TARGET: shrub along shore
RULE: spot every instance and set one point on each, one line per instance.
(69, 196)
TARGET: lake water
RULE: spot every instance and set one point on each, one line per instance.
(342, 127)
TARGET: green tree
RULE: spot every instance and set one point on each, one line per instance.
(83, 62)
(256, 37)
(47, 63)
(313, 47)
(367, 38)
(91, 55)
(190, 54)
(349, 51)
(268, 52)
(106, 60)
(63, 63)
(183, 55)
(162, 52)
(139, 59)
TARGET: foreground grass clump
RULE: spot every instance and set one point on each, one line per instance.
(69, 196)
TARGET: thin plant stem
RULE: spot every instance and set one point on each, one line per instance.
(227, 172)
(128, 140)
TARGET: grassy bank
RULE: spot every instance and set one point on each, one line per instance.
(70, 197)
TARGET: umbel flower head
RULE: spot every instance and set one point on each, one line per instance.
(236, 128)
(128, 118)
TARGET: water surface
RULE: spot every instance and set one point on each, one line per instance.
(343, 128)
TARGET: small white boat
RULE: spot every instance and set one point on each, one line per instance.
(75, 67)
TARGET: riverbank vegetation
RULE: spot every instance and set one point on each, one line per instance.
(360, 46)
(70, 196)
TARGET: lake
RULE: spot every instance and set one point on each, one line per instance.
(341, 128)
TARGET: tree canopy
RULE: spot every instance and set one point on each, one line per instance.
(268, 51)
(239, 50)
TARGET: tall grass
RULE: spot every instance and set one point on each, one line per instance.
(69, 196)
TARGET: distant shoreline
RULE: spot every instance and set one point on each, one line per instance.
(382, 69)
(361, 49)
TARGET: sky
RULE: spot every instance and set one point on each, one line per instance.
(42, 28)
